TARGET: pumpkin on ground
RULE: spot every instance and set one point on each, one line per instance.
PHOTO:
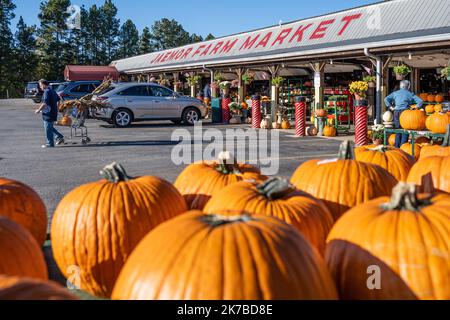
(277, 198)
(329, 131)
(23, 205)
(20, 254)
(413, 120)
(432, 169)
(211, 257)
(343, 183)
(199, 181)
(404, 241)
(408, 148)
(311, 131)
(429, 109)
(97, 226)
(395, 161)
(286, 125)
(20, 289)
(438, 150)
(438, 122)
(392, 140)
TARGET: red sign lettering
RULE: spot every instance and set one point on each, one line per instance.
(186, 53)
(205, 52)
(216, 48)
(249, 43)
(347, 21)
(228, 46)
(299, 33)
(264, 41)
(319, 33)
(283, 35)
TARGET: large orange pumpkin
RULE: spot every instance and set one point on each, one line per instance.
(19, 289)
(438, 122)
(395, 161)
(393, 250)
(277, 198)
(211, 257)
(329, 131)
(413, 120)
(437, 150)
(436, 169)
(20, 254)
(23, 205)
(408, 148)
(343, 183)
(199, 181)
(97, 226)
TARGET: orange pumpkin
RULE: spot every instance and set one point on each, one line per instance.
(392, 140)
(329, 131)
(97, 226)
(438, 122)
(408, 148)
(286, 125)
(439, 98)
(20, 254)
(23, 205)
(321, 113)
(66, 121)
(395, 161)
(413, 120)
(277, 198)
(405, 241)
(311, 131)
(19, 289)
(211, 257)
(199, 181)
(438, 108)
(429, 109)
(431, 98)
(424, 96)
(435, 169)
(344, 182)
(437, 150)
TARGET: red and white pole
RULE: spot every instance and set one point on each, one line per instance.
(300, 116)
(226, 115)
(361, 123)
(256, 111)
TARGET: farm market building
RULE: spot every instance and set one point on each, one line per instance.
(328, 49)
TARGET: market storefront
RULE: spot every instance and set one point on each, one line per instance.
(317, 59)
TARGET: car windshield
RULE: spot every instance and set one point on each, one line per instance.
(31, 86)
(61, 87)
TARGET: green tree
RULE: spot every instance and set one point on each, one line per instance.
(94, 37)
(145, 42)
(53, 33)
(128, 40)
(196, 38)
(6, 44)
(209, 37)
(25, 54)
(109, 29)
(169, 34)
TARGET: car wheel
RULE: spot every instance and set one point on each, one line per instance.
(37, 100)
(122, 118)
(176, 121)
(191, 116)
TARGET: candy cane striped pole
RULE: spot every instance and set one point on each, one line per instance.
(361, 123)
(256, 112)
(300, 116)
(226, 115)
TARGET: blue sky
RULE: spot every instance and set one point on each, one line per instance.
(205, 16)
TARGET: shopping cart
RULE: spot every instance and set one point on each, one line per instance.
(78, 128)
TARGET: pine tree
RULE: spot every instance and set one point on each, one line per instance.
(128, 40)
(209, 37)
(145, 42)
(53, 34)
(109, 29)
(95, 44)
(6, 46)
(169, 34)
(196, 38)
(25, 54)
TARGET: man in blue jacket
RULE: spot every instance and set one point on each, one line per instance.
(400, 101)
(49, 109)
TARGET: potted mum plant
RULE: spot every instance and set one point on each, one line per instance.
(193, 81)
(359, 89)
(277, 81)
(225, 87)
(248, 78)
(378, 135)
(445, 72)
(371, 81)
(401, 71)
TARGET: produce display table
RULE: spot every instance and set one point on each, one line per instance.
(413, 134)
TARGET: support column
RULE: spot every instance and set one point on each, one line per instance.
(274, 70)
(361, 123)
(241, 86)
(213, 91)
(256, 112)
(385, 79)
(176, 80)
(300, 116)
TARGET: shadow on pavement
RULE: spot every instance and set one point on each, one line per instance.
(124, 144)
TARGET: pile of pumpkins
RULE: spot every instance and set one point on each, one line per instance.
(224, 231)
(284, 124)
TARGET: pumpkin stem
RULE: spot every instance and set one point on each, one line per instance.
(115, 173)
(215, 220)
(347, 151)
(225, 166)
(405, 197)
(276, 188)
(379, 148)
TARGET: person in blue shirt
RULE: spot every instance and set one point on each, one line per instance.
(49, 109)
(207, 91)
(400, 101)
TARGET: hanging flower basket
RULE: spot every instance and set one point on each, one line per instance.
(401, 71)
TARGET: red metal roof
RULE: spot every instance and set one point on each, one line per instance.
(89, 73)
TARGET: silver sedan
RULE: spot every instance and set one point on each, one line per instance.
(130, 102)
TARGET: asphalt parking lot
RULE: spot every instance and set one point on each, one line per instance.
(144, 149)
